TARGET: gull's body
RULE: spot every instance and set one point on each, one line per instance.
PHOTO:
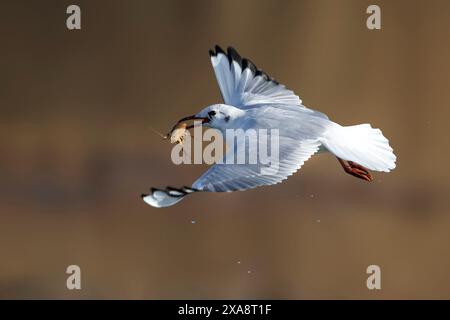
(253, 100)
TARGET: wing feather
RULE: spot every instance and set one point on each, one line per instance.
(234, 177)
(243, 85)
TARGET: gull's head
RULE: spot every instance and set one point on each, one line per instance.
(220, 116)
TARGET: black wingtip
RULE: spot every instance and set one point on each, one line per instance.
(245, 63)
(219, 50)
(233, 55)
(143, 195)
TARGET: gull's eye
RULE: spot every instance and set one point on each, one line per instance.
(211, 113)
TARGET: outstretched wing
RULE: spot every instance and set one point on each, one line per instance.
(287, 148)
(234, 177)
(243, 85)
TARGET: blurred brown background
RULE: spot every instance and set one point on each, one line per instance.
(77, 151)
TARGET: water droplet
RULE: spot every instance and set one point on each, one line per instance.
(249, 271)
(238, 262)
(312, 196)
(318, 220)
(193, 221)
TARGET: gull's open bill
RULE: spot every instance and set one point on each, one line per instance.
(254, 100)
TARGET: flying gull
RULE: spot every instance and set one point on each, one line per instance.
(254, 100)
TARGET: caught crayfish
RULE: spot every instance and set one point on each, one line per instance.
(178, 133)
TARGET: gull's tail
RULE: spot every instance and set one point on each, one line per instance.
(361, 144)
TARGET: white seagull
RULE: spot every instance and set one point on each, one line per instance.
(252, 99)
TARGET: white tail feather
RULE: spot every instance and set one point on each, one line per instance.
(361, 144)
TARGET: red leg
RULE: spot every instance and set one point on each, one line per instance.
(356, 170)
